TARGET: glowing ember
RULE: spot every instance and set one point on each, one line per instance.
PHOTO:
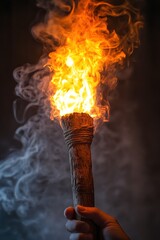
(87, 52)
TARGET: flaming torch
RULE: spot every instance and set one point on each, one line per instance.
(84, 66)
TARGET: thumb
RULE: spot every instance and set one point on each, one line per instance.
(100, 218)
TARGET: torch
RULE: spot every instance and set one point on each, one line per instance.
(84, 66)
(78, 133)
(75, 99)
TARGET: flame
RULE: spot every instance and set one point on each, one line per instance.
(86, 57)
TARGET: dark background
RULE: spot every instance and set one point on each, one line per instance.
(17, 47)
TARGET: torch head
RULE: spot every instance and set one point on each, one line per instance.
(78, 128)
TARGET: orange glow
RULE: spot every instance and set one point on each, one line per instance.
(87, 50)
(76, 76)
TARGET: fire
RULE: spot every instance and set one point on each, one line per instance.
(88, 51)
(76, 78)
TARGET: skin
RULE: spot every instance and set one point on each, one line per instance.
(108, 226)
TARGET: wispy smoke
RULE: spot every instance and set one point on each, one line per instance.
(33, 177)
(35, 181)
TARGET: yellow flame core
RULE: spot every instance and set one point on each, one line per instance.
(76, 77)
(86, 49)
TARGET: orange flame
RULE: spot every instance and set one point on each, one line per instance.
(87, 56)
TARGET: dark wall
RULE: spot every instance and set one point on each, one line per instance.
(147, 92)
(17, 47)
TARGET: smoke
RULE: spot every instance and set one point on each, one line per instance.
(35, 181)
(32, 176)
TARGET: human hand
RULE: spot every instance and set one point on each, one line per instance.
(108, 226)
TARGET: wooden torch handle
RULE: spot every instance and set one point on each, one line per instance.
(81, 175)
(78, 132)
